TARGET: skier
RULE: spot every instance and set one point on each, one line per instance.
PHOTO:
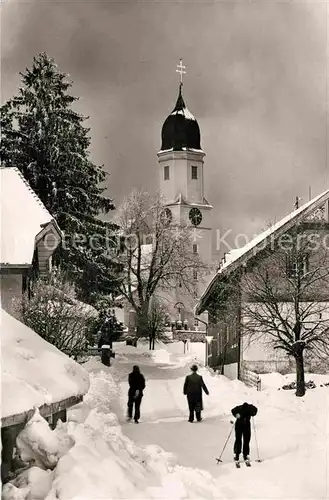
(243, 413)
(135, 393)
(193, 390)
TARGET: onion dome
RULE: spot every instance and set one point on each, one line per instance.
(180, 130)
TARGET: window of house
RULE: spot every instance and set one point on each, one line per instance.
(194, 172)
(166, 173)
(297, 267)
(195, 248)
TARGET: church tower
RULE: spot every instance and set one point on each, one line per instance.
(181, 174)
(181, 178)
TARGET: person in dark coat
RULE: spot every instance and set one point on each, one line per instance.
(193, 387)
(135, 393)
(243, 413)
(105, 343)
(105, 346)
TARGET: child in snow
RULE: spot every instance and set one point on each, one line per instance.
(193, 390)
(135, 393)
(243, 413)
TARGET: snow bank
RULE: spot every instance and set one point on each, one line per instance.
(39, 443)
(34, 371)
(161, 356)
(277, 380)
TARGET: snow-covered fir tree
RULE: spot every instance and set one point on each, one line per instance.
(45, 138)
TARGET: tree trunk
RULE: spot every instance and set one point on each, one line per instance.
(300, 374)
(142, 324)
(150, 343)
(153, 340)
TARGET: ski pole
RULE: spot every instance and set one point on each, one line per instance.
(228, 437)
(253, 421)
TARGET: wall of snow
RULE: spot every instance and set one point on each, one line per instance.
(34, 371)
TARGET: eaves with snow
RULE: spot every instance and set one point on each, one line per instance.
(35, 373)
(239, 256)
(24, 221)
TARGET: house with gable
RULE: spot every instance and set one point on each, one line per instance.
(29, 236)
(228, 295)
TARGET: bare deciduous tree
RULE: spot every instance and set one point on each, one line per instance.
(157, 319)
(286, 298)
(156, 254)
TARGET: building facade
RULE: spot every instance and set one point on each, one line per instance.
(280, 276)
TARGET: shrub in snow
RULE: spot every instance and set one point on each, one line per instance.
(39, 444)
(54, 313)
(308, 385)
(105, 324)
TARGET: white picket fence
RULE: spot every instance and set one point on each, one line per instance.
(251, 378)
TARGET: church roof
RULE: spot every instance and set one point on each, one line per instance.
(239, 256)
(180, 130)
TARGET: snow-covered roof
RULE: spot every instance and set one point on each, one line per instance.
(34, 372)
(238, 256)
(23, 217)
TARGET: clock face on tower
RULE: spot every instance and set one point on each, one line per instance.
(195, 216)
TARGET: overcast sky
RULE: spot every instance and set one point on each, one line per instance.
(256, 83)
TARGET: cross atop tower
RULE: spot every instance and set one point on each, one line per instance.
(181, 70)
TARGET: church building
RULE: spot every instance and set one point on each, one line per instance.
(181, 182)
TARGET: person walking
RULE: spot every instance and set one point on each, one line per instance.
(243, 413)
(135, 393)
(193, 387)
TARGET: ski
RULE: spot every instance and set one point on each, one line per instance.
(247, 462)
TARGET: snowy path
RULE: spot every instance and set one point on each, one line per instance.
(293, 436)
(164, 416)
